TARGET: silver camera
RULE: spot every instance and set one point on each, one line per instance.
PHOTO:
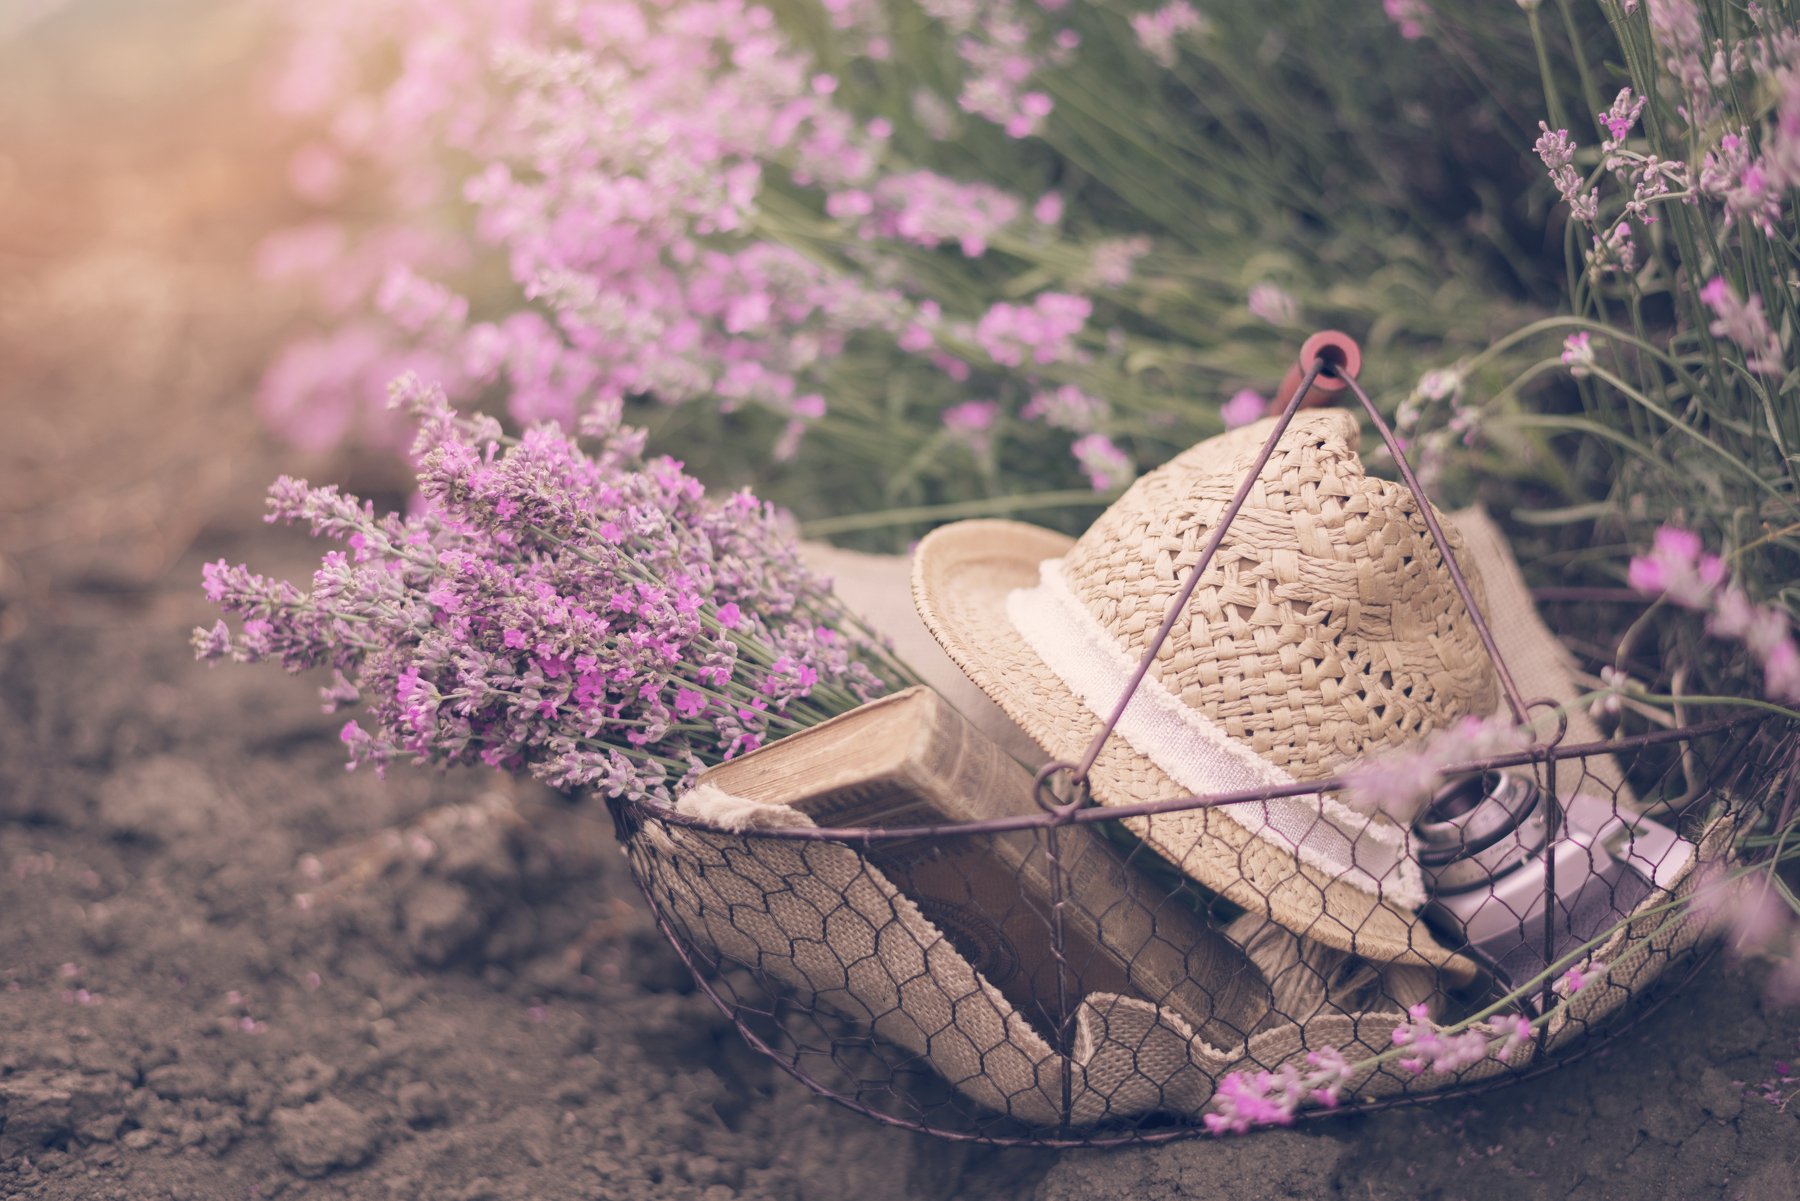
(1484, 849)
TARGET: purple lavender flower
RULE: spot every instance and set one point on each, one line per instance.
(1675, 25)
(1113, 261)
(1434, 1051)
(1578, 354)
(1619, 119)
(1409, 16)
(1245, 406)
(1743, 183)
(1744, 323)
(1557, 150)
(1676, 567)
(1274, 304)
(1398, 783)
(593, 618)
(1679, 569)
(929, 210)
(972, 424)
(1042, 332)
(1107, 467)
(1066, 408)
(1156, 31)
(1249, 1099)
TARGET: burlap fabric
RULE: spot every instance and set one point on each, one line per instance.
(816, 920)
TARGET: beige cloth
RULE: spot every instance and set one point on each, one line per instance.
(817, 920)
(1540, 665)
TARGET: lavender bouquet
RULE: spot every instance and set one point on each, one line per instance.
(592, 617)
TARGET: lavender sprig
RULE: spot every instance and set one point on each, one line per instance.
(593, 618)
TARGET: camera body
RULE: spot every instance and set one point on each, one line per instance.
(1486, 855)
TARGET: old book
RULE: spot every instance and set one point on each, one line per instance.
(911, 760)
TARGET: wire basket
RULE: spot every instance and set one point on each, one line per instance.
(1047, 978)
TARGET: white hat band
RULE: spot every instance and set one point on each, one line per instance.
(1366, 853)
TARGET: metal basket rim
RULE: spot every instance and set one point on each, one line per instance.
(644, 808)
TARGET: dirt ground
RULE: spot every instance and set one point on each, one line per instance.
(230, 970)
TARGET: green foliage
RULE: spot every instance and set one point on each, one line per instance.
(1386, 184)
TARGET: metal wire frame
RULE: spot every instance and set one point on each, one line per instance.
(1644, 1007)
(955, 1122)
(1058, 813)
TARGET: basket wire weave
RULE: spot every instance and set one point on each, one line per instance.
(825, 965)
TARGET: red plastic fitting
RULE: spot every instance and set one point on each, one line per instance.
(1336, 348)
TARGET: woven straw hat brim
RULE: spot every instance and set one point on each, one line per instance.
(962, 574)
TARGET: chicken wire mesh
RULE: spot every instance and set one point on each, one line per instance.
(1052, 978)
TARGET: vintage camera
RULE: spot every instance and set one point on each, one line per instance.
(1484, 849)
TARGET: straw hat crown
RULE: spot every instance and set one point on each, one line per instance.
(1327, 625)
(1326, 628)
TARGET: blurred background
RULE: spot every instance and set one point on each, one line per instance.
(137, 172)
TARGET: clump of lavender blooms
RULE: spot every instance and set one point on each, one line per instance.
(738, 207)
(1245, 406)
(591, 617)
(1274, 304)
(1680, 570)
(1779, 1088)
(1434, 417)
(1757, 918)
(1578, 353)
(1108, 468)
(1157, 30)
(1409, 16)
(1398, 783)
(1743, 322)
(1249, 1099)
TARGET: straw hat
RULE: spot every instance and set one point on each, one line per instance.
(1326, 629)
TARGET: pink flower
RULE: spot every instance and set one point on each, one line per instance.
(1577, 354)
(1434, 1050)
(1399, 782)
(1245, 1100)
(1042, 332)
(1107, 467)
(1244, 407)
(1066, 408)
(1516, 1033)
(317, 173)
(1579, 977)
(1744, 323)
(1557, 150)
(1621, 117)
(1744, 184)
(1113, 261)
(1273, 304)
(1409, 15)
(1676, 568)
(1156, 31)
(1781, 671)
(930, 210)
(971, 423)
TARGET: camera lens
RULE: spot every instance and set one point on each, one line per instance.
(1479, 828)
(1460, 797)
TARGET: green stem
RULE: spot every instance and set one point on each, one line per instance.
(1730, 459)
(887, 518)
